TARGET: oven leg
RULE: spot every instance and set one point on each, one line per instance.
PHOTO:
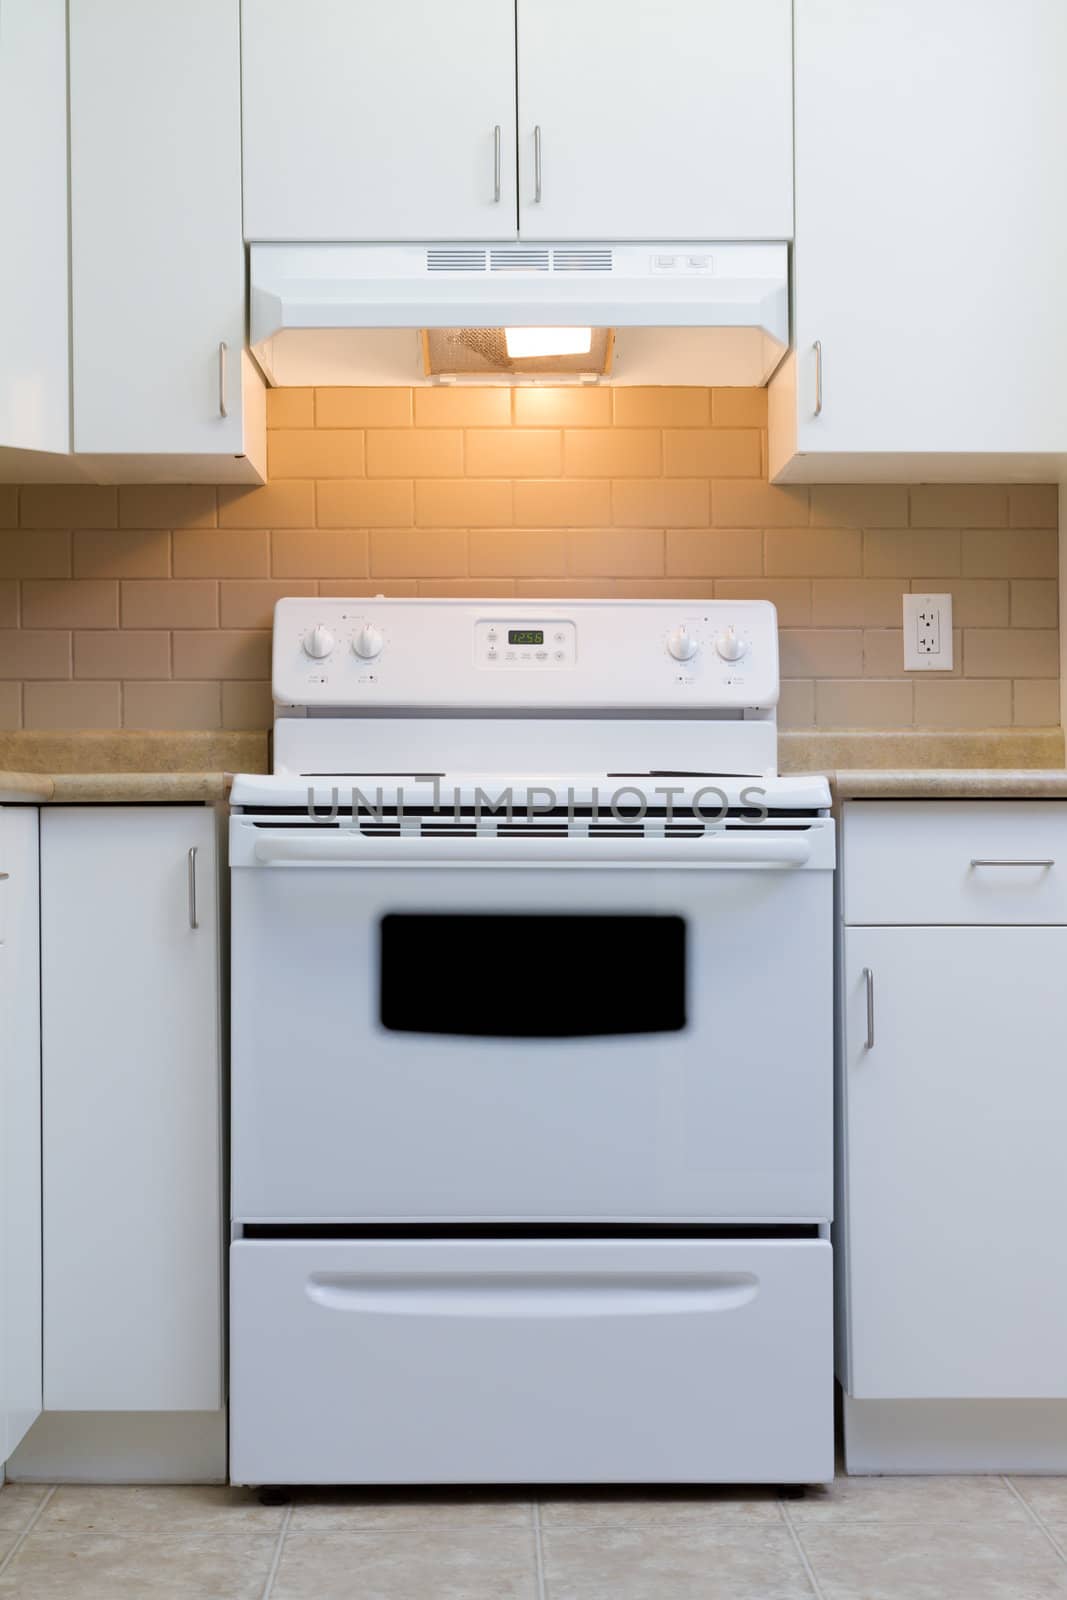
(274, 1494)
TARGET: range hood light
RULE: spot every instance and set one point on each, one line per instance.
(525, 342)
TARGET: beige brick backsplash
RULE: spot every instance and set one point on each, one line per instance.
(320, 552)
(797, 552)
(315, 453)
(150, 605)
(851, 704)
(958, 505)
(669, 502)
(1011, 652)
(222, 553)
(1035, 603)
(912, 553)
(868, 602)
(167, 505)
(171, 705)
(70, 603)
(962, 703)
(507, 552)
(566, 503)
(534, 407)
(360, 408)
(249, 603)
(859, 505)
(109, 553)
(133, 653)
(1037, 702)
(46, 505)
(714, 552)
(72, 705)
(170, 603)
(1000, 553)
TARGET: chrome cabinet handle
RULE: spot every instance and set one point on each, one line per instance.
(868, 979)
(817, 347)
(1012, 861)
(4, 876)
(537, 165)
(222, 378)
(496, 165)
(194, 921)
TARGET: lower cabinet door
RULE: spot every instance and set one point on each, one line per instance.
(20, 1129)
(453, 1361)
(955, 1109)
(132, 1138)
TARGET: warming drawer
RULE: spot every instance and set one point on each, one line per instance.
(531, 1360)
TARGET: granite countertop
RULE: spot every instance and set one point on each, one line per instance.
(127, 768)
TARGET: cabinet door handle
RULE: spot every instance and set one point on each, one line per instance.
(817, 347)
(496, 165)
(868, 980)
(537, 165)
(194, 921)
(1012, 861)
(222, 378)
(4, 876)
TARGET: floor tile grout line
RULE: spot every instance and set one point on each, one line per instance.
(276, 1558)
(1035, 1517)
(27, 1530)
(816, 1587)
(539, 1553)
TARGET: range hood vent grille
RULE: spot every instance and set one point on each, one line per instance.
(459, 258)
(518, 261)
(455, 260)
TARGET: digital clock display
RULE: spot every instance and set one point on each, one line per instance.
(526, 636)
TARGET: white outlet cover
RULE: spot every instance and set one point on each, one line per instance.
(927, 633)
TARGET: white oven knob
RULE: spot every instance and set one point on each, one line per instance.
(319, 642)
(682, 645)
(729, 646)
(368, 642)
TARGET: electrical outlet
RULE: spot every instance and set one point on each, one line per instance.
(927, 633)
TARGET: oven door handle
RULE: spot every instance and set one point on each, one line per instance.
(357, 850)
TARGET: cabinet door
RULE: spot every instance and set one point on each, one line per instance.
(666, 121)
(34, 325)
(157, 256)
(956, 1181)
(378, 119)
(131, 1075)
(20, 1129)
(931, 164)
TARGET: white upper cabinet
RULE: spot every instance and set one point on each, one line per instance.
(158, 261)
(655, 121)
(378, 119)
(34, 347)
(931, 237)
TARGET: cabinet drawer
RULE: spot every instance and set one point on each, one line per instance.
(958, 861)
(524, 1361)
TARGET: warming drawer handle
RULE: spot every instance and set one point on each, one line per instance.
(712, 850)
(1013, 861)
(531, 1294)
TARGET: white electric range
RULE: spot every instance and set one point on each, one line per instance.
(532, 1053)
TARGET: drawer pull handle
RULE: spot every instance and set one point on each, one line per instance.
(868, 979)
(1011, 861)
(530, 1294)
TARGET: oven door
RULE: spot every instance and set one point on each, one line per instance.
(531, 1030)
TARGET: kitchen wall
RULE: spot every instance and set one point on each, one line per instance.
(150, 607)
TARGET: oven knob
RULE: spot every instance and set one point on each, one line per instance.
(318, 642)
(368, 642)
(729, 646)
(682, 645)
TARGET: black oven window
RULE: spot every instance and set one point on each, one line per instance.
(532, 977)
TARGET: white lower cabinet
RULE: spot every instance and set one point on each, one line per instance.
(20, 1129)
(132, 1097)
(952, 1212)
(530, 1360)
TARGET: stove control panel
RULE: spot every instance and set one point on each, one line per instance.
(519, 654)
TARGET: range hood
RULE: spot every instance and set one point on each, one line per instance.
(664, 313)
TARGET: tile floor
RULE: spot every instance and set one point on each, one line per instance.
(865, 1539)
